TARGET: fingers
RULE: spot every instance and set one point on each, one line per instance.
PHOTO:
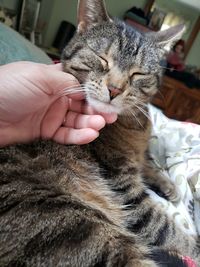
(53, 126)
(109, 117)
(54, 117)
(79, 121)
(75, 136)
(82, 107)
(77, 105)
(79, 129)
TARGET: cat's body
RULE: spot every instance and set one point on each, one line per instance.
(53, 217)
(88, 205)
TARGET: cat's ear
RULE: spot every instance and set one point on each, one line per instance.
(90, 13)
(168, 37)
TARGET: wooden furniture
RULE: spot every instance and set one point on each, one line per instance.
(137, 25)
(178, 101)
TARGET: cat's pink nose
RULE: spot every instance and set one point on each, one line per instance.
(113, 91)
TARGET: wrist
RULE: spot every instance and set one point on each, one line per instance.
(6, 136)
(11, 134)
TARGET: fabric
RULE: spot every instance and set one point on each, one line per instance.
(14, 47)
(189, 262)
(175, 147)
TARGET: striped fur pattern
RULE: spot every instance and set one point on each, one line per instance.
(86, 206)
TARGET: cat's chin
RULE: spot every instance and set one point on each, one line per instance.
(104, 107)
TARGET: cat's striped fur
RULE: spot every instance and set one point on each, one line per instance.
(87, 205)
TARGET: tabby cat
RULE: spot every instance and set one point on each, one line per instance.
(88, 205)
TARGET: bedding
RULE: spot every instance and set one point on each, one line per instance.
(14, 47)
(175, 148)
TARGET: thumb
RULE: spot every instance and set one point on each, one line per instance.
(63, 83)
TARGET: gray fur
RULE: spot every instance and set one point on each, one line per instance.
(87, 205)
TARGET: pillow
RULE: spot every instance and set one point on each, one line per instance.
(14, 47)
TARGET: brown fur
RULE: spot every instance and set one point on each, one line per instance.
(87, 205)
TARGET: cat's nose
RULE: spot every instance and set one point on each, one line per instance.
(113, 91)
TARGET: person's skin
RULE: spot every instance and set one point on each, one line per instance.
(31, 108)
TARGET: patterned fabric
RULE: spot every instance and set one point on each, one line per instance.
(175, 146)
(14, 47)
(189, 262)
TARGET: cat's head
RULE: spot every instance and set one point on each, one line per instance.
(118, 66)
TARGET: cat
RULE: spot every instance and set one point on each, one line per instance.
(88, 205)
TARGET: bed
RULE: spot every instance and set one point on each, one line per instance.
(14, 47)
(174, 145)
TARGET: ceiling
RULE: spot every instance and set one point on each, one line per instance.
(193, 3)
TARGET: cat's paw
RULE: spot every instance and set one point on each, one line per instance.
(170, 191)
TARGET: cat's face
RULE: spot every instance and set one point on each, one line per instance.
(118, 66)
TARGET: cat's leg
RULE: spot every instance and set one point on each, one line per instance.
(160, 183)
(153, 225)
(145, 218)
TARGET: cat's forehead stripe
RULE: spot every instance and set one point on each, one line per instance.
(115, 77)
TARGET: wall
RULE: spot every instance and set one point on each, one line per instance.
(118, 8)
(193, 57)
(66, 10)
(11, 4)
(46, 16)
(61, 10)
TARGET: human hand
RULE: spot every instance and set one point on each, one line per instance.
(31, 106)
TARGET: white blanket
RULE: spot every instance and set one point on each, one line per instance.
(175, 146)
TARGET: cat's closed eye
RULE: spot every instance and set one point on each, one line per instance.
(104, 63)
(82, 67)
(136, 75)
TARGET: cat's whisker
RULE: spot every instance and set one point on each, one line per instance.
(137, 120)
(68, 92)
(166, 68)
(140, 102)
(162, 96)
(141, 105)
(72, 87)
(72, 90)
(144, 112)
